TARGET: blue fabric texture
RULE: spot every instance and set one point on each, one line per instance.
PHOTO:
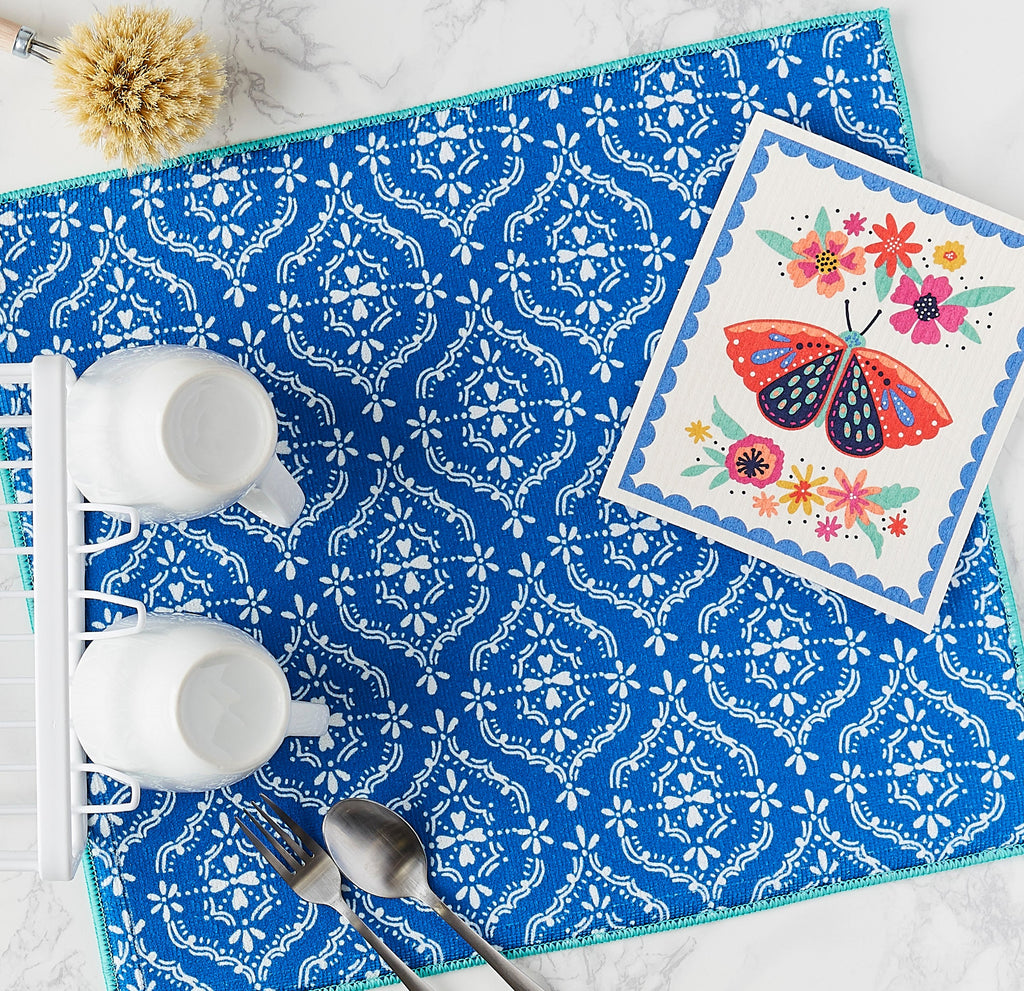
(596, 721)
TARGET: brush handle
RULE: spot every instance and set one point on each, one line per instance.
(8, 34)
(15, 38)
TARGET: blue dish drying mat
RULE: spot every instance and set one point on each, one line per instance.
(600, 723)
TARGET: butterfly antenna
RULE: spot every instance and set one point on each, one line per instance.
(849, 326)
(870, 323)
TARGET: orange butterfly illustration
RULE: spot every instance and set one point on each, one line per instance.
(802, 374)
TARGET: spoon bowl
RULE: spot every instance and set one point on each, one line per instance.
(391, 860)
(380, 852)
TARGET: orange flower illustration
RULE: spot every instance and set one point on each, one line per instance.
(827, 263)
(898, 525)
(852, 498)
(766, 505)
(893, 247)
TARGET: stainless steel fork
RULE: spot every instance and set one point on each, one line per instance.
(311, 873)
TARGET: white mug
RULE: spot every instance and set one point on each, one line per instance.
(185, 704)
(177, 432)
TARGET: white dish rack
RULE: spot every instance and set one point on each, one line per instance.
(44, 805)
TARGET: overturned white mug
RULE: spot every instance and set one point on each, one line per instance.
(185, 704)
(177, 432)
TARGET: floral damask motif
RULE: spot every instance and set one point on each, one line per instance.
(418, 547)
(780, 676)
(540, 643)
(922, 801)
(692, 821)
(515, 421)
(602, 278)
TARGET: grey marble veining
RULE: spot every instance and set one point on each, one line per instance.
(314, 62)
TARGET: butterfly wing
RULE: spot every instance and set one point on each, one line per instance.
(881, 403)
(789, 364)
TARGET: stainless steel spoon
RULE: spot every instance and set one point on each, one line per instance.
(378, 851)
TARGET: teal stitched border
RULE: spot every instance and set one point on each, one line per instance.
(99, 920)
(901, 90)
(1001, 853)
(881, 16)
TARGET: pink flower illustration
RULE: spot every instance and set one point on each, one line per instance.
(826, 263)
(854, 224)
(827, 528)
(754, 461)
(926, 313)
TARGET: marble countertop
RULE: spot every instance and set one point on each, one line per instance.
(300, 65)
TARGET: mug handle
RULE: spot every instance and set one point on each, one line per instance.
(307, 719)
(275, 496)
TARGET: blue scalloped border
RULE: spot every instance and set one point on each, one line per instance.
(690, 325)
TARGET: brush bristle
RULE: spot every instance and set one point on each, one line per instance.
(139, 83)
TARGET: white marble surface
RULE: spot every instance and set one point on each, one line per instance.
(311, 62)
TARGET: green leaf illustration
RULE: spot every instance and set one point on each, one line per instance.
(873, 535)
(883, 282)
(981, 296)
(778, 242)
(822, 225)
(717, 456)
(720, 479)
(727, 424)
(969, 332)
(894, 496)
(912, 272)
(696, 470)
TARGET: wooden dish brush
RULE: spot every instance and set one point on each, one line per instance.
(139, 83)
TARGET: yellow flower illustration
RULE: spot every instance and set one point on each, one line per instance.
(800, 495)
(949, 255)
(698, 431)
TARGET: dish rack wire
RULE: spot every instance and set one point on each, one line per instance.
(43, 769)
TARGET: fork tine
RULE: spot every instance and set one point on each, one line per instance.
(293, 854)
(312, 846)
(261, 846)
